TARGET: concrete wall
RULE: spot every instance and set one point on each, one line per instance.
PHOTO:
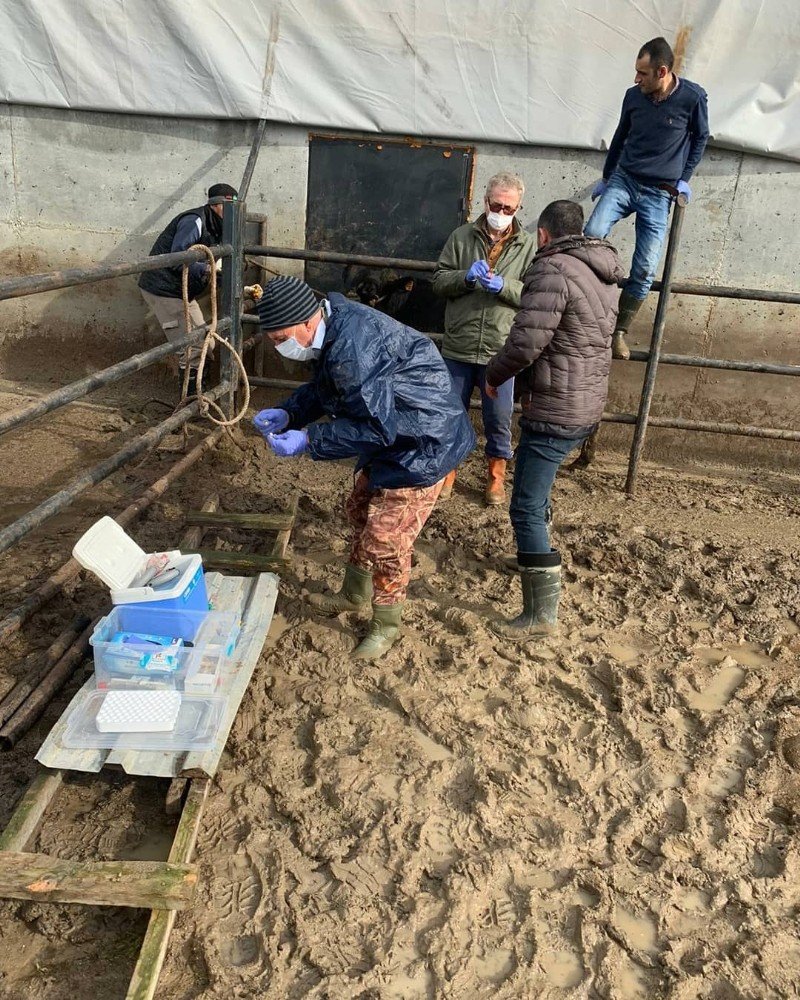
(80, 188)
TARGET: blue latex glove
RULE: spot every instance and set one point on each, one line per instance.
(493, 284)
(599, 189)
(478, 270)
(289, 444)
(271, 421)
(684, 189)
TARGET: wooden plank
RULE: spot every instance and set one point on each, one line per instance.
(192, 537)
(251, 522)
(241, 561)
(159, 885)
(154, 947)
(256, 620)
(30, 809)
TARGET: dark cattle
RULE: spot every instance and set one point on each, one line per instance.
(407, 298)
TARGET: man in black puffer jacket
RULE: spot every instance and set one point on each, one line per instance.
(392, 406)
(162, 289)
(560, 349)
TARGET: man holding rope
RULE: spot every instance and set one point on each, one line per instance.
(162, 289)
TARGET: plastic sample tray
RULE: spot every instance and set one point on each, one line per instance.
(138, 712)
(194, 728)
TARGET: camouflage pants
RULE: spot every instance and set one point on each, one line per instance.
(385, 525)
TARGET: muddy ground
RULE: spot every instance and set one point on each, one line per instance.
(607, 813)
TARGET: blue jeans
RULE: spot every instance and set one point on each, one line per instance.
(538, 459)
(497, 413)
(622, 197)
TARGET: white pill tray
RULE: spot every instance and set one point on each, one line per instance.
(194, 727)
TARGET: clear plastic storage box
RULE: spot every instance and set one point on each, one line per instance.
(195, 726)
(182, 650)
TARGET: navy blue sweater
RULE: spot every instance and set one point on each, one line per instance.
(660, 142)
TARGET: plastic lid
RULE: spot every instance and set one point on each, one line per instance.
(111, 554)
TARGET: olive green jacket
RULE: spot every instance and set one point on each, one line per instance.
(477, 322)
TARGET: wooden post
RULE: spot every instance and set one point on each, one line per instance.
(154, 947)
(21, 721)
(43, 663)
(283, 536)
(150, 884)
(30, 809)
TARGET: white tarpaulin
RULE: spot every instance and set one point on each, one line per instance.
(533, 71)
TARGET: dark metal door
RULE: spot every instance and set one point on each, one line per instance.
(391, 198)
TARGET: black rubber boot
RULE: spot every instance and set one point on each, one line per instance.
(628, 308)
(540, 574)
(355, 593)
(383, 632)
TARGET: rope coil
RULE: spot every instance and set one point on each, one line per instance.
(206, 404)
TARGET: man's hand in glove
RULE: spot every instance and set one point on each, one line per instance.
(271, 421)
(289, 444)
(492, 283)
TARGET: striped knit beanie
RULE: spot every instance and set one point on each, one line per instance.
(286, 302)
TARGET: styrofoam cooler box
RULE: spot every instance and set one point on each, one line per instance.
(112, 555)
(209, 637)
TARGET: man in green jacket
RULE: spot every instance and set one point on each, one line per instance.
(479, 273)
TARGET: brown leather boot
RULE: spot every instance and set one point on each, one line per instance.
(628, 308)
(447, 489)
(495, 487)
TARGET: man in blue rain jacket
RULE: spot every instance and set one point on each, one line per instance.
(392, 406)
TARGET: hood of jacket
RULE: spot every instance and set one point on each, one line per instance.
(599, 255)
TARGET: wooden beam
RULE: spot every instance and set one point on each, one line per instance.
(154, 947)
(30, 809)
(254, 522)
(149, 884)
(240, 561)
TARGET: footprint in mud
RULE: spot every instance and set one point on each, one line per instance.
(437, 844)
(224, 828)
(238, 951)
(237, 891)
(235, 896)
(720, 690)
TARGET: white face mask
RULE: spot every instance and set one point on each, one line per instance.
(497, 220)
(294, 352)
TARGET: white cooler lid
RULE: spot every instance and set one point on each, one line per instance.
(110, 553)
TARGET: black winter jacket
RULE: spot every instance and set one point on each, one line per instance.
(180, 234)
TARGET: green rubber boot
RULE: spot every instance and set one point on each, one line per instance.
(628, 308)
(383, 631)
(540, 574)
(355, 593)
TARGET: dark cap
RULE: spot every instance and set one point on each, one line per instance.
(286, 302)
(218, 193)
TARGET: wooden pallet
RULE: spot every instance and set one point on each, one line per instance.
(162, 887)
(245, 562)
(254, 597)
